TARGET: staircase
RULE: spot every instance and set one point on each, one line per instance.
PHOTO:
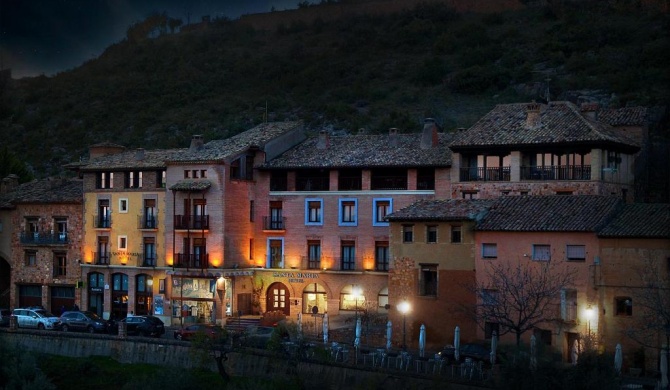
(240, 324)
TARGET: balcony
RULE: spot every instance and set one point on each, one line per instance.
(347, 263)
(274, 223)
(101, 258)
(147, 260)
(191, 222)
(44, 239)
(190, 260)
(485, 174)
(147, 222)
(388, 183)
(102, 222)
(312, 183)
(350, 183)
(556, 172)
(311, 262)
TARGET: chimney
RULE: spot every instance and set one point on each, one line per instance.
(9, 184)
(590, 110)
(532, 115)
(429, 134)
(323, 141)
(139, 154)
(393, 137)
(196, 143)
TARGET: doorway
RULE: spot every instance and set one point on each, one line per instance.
(278, 298)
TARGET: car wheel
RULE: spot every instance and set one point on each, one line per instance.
(90, 329)
(40, 326)
(65, 328)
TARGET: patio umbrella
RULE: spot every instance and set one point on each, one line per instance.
(664, 368)
(533, 352)
(573, 353)
(357, 340)
(457, 343)
(299, 325)
(618, 359)
(389, 330)
(325, 328)
(422, 340)
(494, 345)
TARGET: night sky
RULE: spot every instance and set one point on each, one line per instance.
(49, 36)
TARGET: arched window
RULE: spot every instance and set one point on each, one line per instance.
(383, 299)
(352, 298)
(143, 294)
(314, 295)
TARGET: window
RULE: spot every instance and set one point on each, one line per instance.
(489, 297)
(187, 174)
(348, 212)
(569, 305)
(313, 211)
(276, 220)
(32, 226)
(275, 253)
(469, 194)
(149, 217)
(104, 180)
(623, 306)
(194, 173)
(123, 205)
(352, 297)
(60, 264)
(407, 233)
(576, 252)
(383, 299)
(348, 250)
(134, 179)
(541, 252)
(31, 258)
(123, 243)
(104, 218)
(149, 252)
(381, 256)
(489, 328)
(314, 298)
(381, 208)
(428, 280)
(161, 286)
(61, 228)
(313, 254)
(431, 234)
(489, 251)
(102, 255)
(456, 234)
(203, 173)
(160, 178)
(251, 249)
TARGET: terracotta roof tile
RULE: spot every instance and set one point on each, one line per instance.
(645, 220)
(551, 213)
(559, 123)
(442, 210)
(128, 160)
(191, 185)
(365, 151)
(626, 116)
(52, 190)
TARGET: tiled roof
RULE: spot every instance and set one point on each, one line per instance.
(55, 190)
(151, 159)
(551, 213)
(559, 123)
(221, 149)
(191, 185)
(626, 116)
(365, 151)
(648, 220)
(442, 210)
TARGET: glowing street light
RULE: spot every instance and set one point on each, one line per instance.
(589, 312)
(404, 308)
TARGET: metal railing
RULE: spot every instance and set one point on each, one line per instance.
(190, 260)
(191, 222)
(556, 172)
(312, 184)
(147, 222)
(44, 238)
(349, 183)
(388, 183)
(100, 258)
(102, 221)
(485, 174)
(274, 223)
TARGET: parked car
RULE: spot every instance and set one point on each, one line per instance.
(83, 321)
(476, 352)
(199, 330)
(138, 325)
(36, 318)
(4, 317)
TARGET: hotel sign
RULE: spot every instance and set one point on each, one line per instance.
(296, 277)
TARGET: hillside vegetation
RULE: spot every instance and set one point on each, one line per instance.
(373, 72)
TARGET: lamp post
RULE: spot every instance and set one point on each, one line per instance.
(589, 315)
(403, 308)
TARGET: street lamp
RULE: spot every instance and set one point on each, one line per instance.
(403, 308)
(589, 314)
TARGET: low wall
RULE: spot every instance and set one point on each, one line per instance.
(259, 363)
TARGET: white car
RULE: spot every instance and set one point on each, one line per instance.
(36, 318)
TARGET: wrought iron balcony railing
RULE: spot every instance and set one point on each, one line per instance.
(274, 223)
(190, 260)
(32, 238)
(191, 222)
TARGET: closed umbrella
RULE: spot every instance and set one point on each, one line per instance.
(357, 340)
(533, 352)
(664, 368)
(457, 343)
(325, 328)
(494, 346)
(573, 353)
(389, 330)
(299, 325)
(422, 340)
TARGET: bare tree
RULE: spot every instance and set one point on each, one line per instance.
(520, 297)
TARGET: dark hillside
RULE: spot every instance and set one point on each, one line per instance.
(371, 71)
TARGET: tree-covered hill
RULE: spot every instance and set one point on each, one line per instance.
(365, 71)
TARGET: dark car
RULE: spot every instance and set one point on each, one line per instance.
(476, 352)
(87, 321)
(138, 325)
(199, 330)
(4, 317)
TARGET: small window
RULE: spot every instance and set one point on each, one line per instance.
(134, 179)
(187, 174)
(456, 234)
(623, 306)
(576, 252)
(104, 180)
(489, 297)
(469, 194)
(160, 179)
(428, 280)
(314, 254)
(381, 256)
(313, 212)
(60, 264)
(31, 258)
(541, 252)
(408, 233)
(195, 173)
(381, 208)
(123, 205)
(348, 212)
(161, 286)
(489, 251)
(431, 234)
(123, 242)
(203, 173)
